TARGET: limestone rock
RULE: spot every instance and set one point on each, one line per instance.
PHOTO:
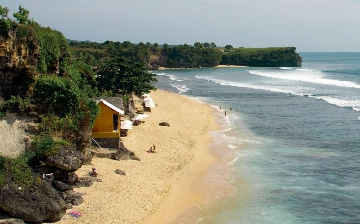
(120, 172)
(35, 203)
(84, 182)
(61, 186)
(164, 124)
(72, 197)
(66, 158)
(12, 221)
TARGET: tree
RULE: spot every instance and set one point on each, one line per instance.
(207, 45)
(166, 49)
(22, 16)
(198, 45)
(121, 76)
(4, 12)
(228, 47)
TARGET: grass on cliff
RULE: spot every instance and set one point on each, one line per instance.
(16, 170)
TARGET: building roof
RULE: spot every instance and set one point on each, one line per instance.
(116, 101)
(110, 105)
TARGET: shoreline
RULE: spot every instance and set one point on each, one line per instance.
(166, 181)
(218, 66)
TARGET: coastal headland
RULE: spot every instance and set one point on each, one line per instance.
(181, 158)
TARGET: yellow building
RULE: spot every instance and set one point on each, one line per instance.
(106, 129)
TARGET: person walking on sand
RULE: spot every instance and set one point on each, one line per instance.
(225, 112)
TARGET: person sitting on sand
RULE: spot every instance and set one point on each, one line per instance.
(94, 172)
(151, 150)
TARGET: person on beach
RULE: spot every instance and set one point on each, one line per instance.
(220, 107)
(225, 112)
(94, 172)
(230, 108)
(151, 150)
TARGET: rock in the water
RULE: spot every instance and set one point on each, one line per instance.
(66, 158)
(164, 124)
(35, 203)
(120, 172)
(61, 186)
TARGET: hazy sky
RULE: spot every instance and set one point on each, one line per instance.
(309, 25)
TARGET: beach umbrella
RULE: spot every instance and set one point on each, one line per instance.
(126, 124)
(149, 104)
(140, 117)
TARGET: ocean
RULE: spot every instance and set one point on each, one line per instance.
(293, 135)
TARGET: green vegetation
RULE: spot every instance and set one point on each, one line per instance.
(47, 146)
(62, 75)
(15, 170)
(260, 57)
(15, 104)
(119, 76)
(199, 55)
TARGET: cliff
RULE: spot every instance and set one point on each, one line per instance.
(18, 58)
(263, 57)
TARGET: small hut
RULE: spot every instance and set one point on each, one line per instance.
(106, 129)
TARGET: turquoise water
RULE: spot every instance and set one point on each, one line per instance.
(295, 136)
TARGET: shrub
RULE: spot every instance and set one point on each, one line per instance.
(16, 170)
(59, 95)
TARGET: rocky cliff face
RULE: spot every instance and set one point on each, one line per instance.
(18, 59)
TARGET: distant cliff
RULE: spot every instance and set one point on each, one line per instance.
(186, 56)
(263, 57)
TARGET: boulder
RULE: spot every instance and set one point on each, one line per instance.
(35, 203)
(66, 158)
(72, 197)
(69, 177)
(12, 221)
(120, 172)
(61, 186)
(84, 182)
(124, 154)
(164, 124)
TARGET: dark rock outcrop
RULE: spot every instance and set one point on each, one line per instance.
(124, 154)
(120, 172)
(72, 197)
(164, 124)
(35, 203)
(84, 182)
(66, 158)
(61, 186)
(18, 59)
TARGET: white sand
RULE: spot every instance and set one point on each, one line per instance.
(161, 185)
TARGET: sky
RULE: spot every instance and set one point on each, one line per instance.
(308, 25)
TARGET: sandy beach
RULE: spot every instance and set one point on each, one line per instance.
(161, 185)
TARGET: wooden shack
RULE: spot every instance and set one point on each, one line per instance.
(106, 129)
